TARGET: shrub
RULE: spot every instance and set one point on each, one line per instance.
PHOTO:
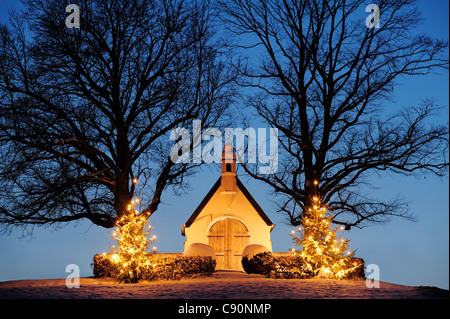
(358, 268)
(102, 267)
(262, 263)
(155, 267)
(293, 266)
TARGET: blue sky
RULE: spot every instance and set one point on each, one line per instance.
(409, 253)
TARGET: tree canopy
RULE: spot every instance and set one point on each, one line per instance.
(323, 78)
(86, 112)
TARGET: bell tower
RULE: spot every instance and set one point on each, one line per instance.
(228, 180)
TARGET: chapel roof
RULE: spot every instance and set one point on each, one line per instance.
(214, 189)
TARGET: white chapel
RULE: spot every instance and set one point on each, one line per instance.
(228, 219)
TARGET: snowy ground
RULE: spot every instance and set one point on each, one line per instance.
(222, 285)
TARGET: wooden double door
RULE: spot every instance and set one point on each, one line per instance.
(228, 237)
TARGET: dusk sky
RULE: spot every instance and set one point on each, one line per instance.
(407, 253)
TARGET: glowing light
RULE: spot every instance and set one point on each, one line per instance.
(322, 249)
(135, 180)
(133, 239)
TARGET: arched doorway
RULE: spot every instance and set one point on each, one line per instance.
(228, 237)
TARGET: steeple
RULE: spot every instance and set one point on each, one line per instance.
(228, 181)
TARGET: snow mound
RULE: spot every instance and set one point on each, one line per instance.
(199, 249)
(252, 250)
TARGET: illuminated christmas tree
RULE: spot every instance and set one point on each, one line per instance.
(131, 255)
(324, 251)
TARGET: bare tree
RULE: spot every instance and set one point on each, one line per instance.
(322, 77)
(85, 112)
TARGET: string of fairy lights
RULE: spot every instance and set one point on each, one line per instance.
(324, 250)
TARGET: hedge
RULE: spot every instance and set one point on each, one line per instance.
(291, 266)
(167, 267)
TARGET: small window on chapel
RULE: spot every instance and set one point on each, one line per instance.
(228, 168)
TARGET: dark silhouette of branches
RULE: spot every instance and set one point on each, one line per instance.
(85, 111)
(323, 77)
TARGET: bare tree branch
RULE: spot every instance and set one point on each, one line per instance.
(85, 111)
(323, 78)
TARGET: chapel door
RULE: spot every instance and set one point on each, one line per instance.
(228, 237)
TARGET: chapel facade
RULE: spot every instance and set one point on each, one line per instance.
(228, 219)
